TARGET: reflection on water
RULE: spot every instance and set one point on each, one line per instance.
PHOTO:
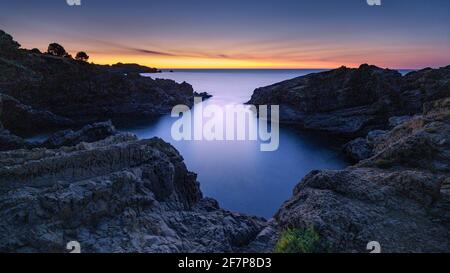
(237, 173)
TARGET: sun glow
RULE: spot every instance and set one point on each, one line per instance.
(202, 62)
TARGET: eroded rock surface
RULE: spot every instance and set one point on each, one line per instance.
(342, 101)
(62, 90)
(89, 133)
(24, 119)
(398, 197)
(351, 102)
(116, 195)
(9, 141)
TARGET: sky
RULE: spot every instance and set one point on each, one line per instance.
(401, 34)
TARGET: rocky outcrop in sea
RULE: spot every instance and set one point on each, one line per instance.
(351, 102)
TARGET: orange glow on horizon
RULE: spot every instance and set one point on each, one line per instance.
(179, 62)
(315, 58)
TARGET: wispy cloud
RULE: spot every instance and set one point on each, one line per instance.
(150, 52)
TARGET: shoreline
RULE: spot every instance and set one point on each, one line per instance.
(113, 192)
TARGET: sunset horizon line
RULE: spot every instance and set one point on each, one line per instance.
(256, 67)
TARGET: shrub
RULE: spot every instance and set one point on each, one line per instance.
(82, 56)
(56, 50)
(299, 240)
(35, 51)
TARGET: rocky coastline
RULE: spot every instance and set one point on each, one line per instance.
(112, 192)
(119, 194)
(107, 190)
(42, 91)
(351, 102)
(398, 128)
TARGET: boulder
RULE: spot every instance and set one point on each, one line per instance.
(358, 149)
(363, 148)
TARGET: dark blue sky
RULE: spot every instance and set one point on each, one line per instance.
(239, 33)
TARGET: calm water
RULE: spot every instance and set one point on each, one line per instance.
(237, 173)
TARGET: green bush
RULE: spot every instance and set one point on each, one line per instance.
(298, 240)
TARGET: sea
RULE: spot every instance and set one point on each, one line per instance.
(236, 173)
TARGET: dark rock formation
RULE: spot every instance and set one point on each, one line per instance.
(362, 148)
(203, 95)
(8, 47)
(423, 86)
(116, 195)
(399, 197)
(131, 68)
(23, 119)
(358, 149)
(83, 92)
(395, 121)
(89, 133)
(352, 102)
(343, 101)
(9, 141)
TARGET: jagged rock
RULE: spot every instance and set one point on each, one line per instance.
(396, 121)
(397, 197)
(116, 195)
(352, 207)
(422, 142)
(7, 44)
(423, 86)
(87, 92)
(358, 149)
(352, 102)
(343, 101)
(9, 141)
(23, 119)
(362, 148)
(89, 133)
(203, 95)
(266, 239)
(375, 136)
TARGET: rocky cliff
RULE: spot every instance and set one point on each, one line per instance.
(119, 194)
(399, 196)
(114, 193)
(69, 90)
(397, 193)
(351, 102)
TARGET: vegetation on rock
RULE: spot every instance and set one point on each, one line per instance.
(298, 240)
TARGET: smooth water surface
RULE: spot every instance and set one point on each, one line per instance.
(237, 173)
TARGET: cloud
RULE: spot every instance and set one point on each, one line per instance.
(150, 52)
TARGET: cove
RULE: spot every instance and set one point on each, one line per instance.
(235, 172)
